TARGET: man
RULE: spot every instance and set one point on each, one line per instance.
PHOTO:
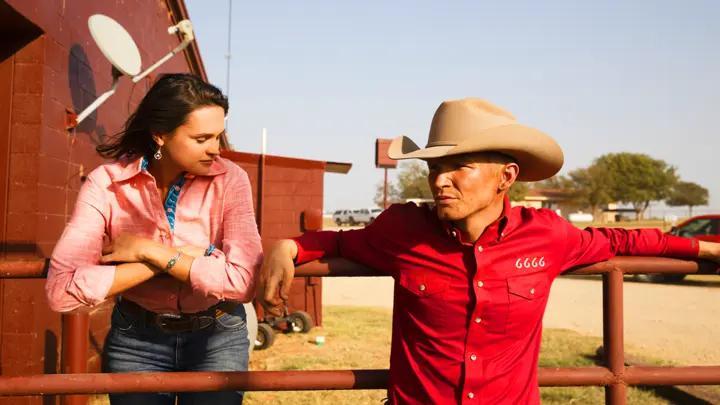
(472, 274)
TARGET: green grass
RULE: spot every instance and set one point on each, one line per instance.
(360, 338)
(354, 338)
(566, 348)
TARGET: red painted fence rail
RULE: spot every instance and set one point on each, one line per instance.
(615, 376)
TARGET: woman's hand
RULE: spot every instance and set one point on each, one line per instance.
(127, 248)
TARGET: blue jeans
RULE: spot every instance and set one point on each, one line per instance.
(132, 346)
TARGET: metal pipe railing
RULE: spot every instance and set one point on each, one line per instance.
(32, 268)
(694, 375)
(75, 346)
(97, 383)
(613, 339)
(94, 383)
(335, 267)
(616, 377)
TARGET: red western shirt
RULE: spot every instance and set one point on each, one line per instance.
(467, 317)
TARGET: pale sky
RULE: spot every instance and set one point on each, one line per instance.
(327, 78)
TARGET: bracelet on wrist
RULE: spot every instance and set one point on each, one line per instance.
(173, 260)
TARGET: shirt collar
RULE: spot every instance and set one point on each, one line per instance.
(504, 224)
(512, 218)
(129, 168)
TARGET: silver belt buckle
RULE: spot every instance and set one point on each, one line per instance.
(165, 320)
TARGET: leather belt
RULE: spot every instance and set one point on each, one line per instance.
(176, 323)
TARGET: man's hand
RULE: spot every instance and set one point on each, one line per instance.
(709, 251)
(276, 276)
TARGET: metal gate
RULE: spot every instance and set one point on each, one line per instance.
(615, 376)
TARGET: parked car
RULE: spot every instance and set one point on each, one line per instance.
(362, 216)
(702, 227)
(341, 217)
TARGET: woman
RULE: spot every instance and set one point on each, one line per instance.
(168, 229)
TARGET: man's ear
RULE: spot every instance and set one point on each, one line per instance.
(508, 175)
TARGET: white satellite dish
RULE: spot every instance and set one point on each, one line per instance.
(115, 43)
(119, 48)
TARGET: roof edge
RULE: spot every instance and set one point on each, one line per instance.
(301, 163)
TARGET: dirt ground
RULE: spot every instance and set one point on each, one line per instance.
(674, 322)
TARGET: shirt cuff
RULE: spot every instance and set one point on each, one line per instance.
(315, 245)
(91, 284)
(677, 246)
(207, 276)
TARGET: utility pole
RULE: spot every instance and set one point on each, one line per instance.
(228, 55)
(383, 161)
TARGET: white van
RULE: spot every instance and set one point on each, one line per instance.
(362, 216)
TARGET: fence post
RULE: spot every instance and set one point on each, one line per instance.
(613, 341)
(75, 331)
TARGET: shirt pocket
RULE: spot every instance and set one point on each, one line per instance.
(527, 297)
(422, 295)
(424, 284)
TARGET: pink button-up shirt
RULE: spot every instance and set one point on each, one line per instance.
(121, 198)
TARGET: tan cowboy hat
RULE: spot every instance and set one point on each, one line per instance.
(474, 125)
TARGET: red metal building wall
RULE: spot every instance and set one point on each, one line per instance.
(286, 189)
(49, 65)
(64, 70)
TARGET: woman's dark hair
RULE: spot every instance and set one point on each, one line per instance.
(164, 108)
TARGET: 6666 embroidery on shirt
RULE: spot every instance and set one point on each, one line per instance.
(530, 262)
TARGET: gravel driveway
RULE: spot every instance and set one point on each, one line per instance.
(679, 322)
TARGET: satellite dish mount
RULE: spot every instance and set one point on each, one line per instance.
(118, 47)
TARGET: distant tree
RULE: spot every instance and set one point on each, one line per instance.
(591, 188)
(412, 180)
(689, 194)
(557, 182)
(518, 191)
(637, 179)
(393, 195)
